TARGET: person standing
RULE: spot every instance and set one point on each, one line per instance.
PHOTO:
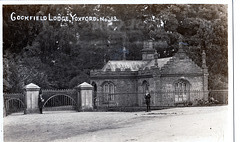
(148, 100)
(40, 101)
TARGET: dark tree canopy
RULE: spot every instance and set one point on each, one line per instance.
(61, 54)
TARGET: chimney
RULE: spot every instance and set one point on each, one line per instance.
(148, 51)
(150, 44)
(204, 65)
(124, 53)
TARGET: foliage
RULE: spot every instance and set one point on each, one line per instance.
(61, 54)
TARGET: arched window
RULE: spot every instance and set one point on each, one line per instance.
(182, 88)
(108, 91)
(145, 86)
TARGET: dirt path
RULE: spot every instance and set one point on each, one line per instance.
(170, 125)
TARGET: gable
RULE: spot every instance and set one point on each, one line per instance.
(161, 62)
(181, 65)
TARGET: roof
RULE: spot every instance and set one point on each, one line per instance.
(125, 64)
(161, 62)
(85, 84)
(31, 85)
(134, 65)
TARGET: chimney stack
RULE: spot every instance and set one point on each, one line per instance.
(148, 51)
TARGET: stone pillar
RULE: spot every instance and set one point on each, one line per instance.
(156, 59)
(205, 76)
(31, 98)
(156, 84)
(85, 97)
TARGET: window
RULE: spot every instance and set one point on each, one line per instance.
(145, 86)
(182, 88)
(108, 91)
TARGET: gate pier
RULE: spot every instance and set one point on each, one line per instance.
(31, 98)
(84, 97)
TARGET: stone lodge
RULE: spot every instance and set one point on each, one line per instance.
(170, 81)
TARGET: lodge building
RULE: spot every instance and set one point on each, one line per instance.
(170, 81)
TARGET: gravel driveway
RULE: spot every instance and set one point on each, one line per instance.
(170, 125)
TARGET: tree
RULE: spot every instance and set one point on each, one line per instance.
(61, 54)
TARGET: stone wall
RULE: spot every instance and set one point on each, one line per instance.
(165, 91)
(167, 83)
(125, 87)
(121, 85)
(141, 93)
(179, 67)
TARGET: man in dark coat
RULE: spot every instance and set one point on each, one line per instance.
(40, 101)
(147, 98)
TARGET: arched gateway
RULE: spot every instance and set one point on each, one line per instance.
(59, 99)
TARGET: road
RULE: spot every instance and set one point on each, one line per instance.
(188, 124)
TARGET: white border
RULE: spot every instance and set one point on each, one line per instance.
(229, 131)
(1, 74)
(236, 68)
(229, 135)
(116, 2)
